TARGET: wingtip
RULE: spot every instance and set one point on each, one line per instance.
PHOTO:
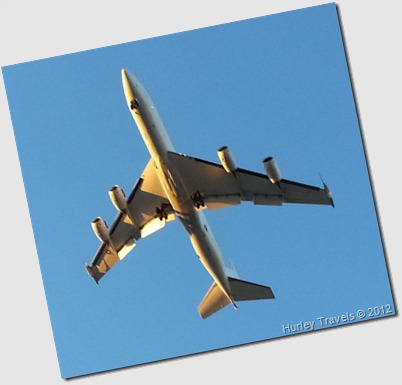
(328, 192)
(329, 195)
(90, 271)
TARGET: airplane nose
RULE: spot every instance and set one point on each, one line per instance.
(125, 75)
(129, 79)
(129, 86)
(133, 90)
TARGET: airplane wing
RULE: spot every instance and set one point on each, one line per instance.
(212, 187)
(140, 221)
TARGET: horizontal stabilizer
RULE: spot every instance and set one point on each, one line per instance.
(245, 291)
(213, 301)
(240, 290)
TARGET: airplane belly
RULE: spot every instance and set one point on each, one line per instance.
(207, 249)
(180, 199)
(210, 257)
(174, 188)
(195, 223)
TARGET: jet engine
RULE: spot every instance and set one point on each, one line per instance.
(118, 199)
(226, 159)
(272, 170)
(100, 229)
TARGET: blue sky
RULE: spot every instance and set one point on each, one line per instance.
(276, 85)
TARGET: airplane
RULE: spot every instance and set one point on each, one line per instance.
(175, 185)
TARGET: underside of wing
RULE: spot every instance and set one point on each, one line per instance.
(145, 211)
(294, 192)
(212, 187)
(105, 258)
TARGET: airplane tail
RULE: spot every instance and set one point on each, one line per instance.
(216, 299)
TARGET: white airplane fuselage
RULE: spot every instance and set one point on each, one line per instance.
(159, 145)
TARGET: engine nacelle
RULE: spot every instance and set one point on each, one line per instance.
(226, 159)
(272, 170)
(118, 199)
(100, 229)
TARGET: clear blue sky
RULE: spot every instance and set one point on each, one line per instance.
(272, 86)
